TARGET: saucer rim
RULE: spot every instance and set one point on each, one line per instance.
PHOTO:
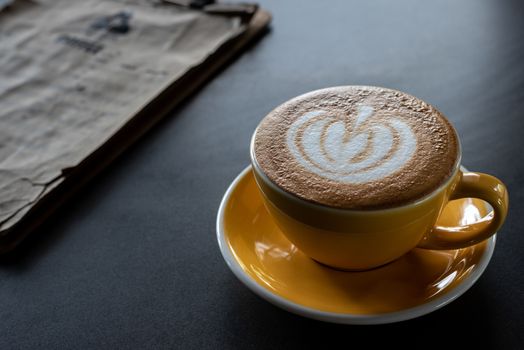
(334, 317)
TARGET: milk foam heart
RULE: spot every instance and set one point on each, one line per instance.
(356, 147)
(330, 148)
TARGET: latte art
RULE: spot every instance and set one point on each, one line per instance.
(358, 153)
(356, 147)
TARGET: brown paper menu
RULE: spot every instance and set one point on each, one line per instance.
(81, 80)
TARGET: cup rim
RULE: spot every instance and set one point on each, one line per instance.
(314, 205)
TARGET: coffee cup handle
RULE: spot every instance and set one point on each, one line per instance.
(472, 185)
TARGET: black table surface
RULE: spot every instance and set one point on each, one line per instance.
(133, 262)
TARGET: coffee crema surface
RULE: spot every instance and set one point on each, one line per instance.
(356, 147)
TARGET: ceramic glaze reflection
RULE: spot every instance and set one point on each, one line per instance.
(364, 152)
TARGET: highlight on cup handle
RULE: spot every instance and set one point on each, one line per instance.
(472, 185)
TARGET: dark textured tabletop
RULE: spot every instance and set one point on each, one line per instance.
(133, 262)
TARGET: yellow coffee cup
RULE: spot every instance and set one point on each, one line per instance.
(354, 239)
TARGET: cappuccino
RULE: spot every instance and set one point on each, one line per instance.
(356, 147)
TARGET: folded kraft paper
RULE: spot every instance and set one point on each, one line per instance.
(75, 73)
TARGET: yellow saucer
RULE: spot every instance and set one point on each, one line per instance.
(416, 284)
